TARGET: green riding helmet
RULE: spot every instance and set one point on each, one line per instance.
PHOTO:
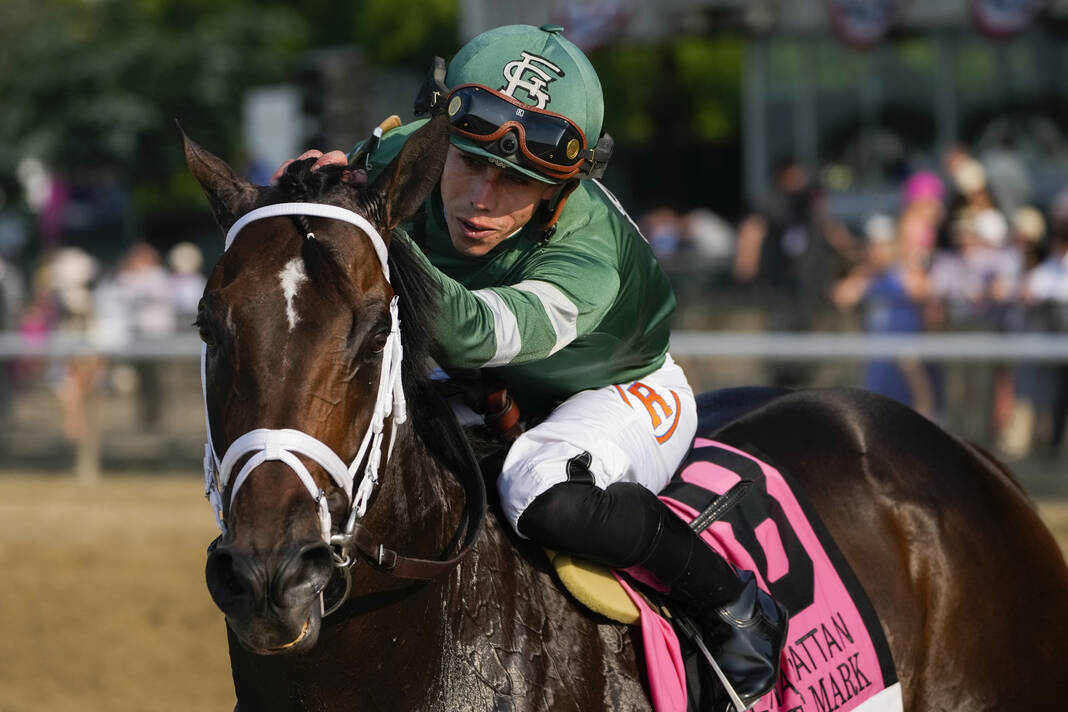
(528, 99)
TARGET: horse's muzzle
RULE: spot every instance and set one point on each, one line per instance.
(272, 602)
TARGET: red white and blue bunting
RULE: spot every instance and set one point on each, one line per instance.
(862, 23)
(1005, 18)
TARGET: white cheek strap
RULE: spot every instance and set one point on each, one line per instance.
(285, 444)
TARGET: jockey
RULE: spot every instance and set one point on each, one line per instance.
(549, 286)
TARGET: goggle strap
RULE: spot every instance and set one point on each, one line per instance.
(599, 156)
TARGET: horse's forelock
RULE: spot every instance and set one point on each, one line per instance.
(324, 269)
(326, 184)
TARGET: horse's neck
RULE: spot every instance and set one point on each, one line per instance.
(422, 502)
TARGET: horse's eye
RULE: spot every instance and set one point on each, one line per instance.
(379, 341)
(204, 332)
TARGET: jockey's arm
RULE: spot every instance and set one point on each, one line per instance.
(563, 298)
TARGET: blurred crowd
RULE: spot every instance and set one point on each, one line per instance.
(965, 250)
(139, 296)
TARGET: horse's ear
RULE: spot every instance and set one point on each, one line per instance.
(229, 195)
(407, 181)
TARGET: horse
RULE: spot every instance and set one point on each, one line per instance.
(302, 319)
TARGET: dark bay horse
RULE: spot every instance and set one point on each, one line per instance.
(301, 337)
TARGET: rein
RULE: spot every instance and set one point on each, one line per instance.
(265, 444)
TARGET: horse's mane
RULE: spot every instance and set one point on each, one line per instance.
(417, 289)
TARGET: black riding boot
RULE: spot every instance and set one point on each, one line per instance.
(626, 525)
(742, 626)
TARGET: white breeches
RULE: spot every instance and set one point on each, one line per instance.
(634, 432)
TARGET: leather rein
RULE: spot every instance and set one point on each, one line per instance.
(263, 444)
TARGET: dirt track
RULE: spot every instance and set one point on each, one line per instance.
(104, 607)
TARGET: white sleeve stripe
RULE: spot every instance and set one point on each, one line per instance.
(505, 328)
(562, 312)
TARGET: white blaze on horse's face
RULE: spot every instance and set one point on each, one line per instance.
(291, 277)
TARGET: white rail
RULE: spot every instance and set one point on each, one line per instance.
(810, 346)
(827, 346)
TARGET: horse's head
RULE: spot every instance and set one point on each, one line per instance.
(300, 372)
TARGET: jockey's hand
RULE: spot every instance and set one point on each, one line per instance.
(337, 158)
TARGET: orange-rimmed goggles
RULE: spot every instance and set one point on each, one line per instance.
(550, 143)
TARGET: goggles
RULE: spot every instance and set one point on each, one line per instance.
(549, 143)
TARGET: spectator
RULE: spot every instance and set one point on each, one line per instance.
(1002, 272)
(187, 283)
(12, 296)
(969, 177)
(137, 303)
(891, 286)
(1046, 293)
(1001, 265)
(1010, 184)
(974, 279)
(790, 244)
(967, 285)
(63, 303)
(1029, 392)
(711, 237)
(922, 195)
(663, 229)
(1028, 232)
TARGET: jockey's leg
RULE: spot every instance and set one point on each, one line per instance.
(627, 526)
(583, 480)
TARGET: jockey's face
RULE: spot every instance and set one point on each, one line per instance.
(484, 203)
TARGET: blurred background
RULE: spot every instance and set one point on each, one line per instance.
(855, 192)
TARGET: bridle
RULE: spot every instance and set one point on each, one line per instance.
(267, 444)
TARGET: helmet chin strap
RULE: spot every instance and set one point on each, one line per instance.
(549, 210)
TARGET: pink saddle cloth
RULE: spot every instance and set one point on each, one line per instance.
(836, 656)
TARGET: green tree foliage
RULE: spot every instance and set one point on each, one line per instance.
(686, 90)
(394, 33)
(408, 32)
(92, 83)
(710, 72)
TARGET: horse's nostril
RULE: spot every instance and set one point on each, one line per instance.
(227, 586)
(317, 557)
(226, 578)
(316, 565)
(305, 575)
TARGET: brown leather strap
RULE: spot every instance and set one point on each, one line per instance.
(502, 414)
(390, 562)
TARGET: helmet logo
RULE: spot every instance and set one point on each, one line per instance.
(526, 74)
